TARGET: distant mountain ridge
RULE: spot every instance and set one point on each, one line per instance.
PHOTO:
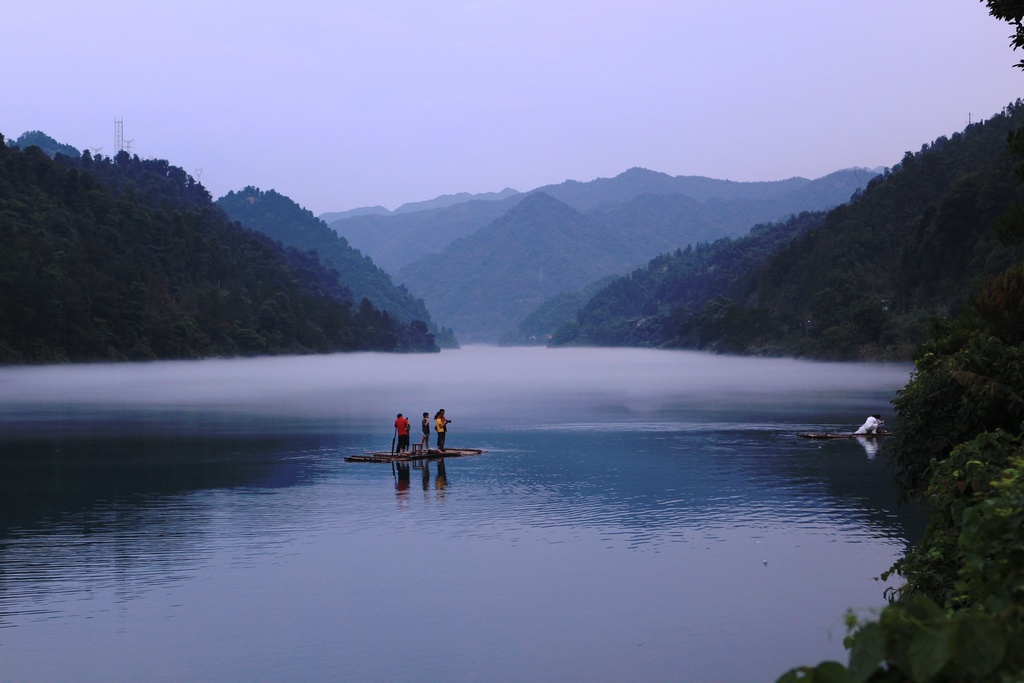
(395, 240)
(609, 238)
(497, 275)
(439, 202)
(866, 281)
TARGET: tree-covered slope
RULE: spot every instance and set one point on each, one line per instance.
(124, 259)
(282, 219)
(648, 306)
(866, 283)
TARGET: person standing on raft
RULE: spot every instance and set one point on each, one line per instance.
(441, 427)
(870, 425)
(402, 428)
(425, 439)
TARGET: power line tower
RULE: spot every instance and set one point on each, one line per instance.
(118, 135)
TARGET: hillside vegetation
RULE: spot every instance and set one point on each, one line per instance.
(865, 283)
(125, 259)
(285, 221)
(629, 311)
(958, 612)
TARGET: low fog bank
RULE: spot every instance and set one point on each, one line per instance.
(480, 384)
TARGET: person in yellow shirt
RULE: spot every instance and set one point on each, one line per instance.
(441, 427)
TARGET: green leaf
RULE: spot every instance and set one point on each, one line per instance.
(867, 653)
(831, 672)
(980, 645)
(930, 649)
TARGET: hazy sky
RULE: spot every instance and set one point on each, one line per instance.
(349, 103)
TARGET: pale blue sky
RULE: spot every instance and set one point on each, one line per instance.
(354, 103)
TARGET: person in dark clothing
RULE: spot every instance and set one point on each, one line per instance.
(425, 427)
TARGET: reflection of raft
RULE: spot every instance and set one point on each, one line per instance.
(387, 456)
(851, 435)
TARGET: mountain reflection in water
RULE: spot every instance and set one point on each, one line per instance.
(640, 515)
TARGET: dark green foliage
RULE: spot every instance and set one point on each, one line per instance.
(1012, 12)
(864, 284)
(959, 443)
(124, 259)
(282, 219)
(968, 380)
(686, 298)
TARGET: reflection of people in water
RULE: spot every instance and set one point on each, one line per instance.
(402, 480)
(402, 427)
(425, 427)
(441, 480)
(441, 427)
(871, 425)
(870, 447)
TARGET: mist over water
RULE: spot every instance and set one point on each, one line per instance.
(483, 386)
(640, 515)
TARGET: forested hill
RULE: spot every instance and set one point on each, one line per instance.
(866, 283)
(632, 310)
(37, 138)
(282, 219)
(124, 259)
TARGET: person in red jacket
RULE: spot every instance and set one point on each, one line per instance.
(402, 429)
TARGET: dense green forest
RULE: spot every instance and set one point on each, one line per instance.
(285, 221)
(124, 259)
(959, 446)
(629, 311)
(865, 283)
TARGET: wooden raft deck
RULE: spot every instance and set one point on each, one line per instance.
(850, 435)
(386, 456)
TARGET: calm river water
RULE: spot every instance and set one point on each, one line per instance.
(639, 516)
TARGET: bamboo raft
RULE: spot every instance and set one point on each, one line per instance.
(850, 435)
(411, 456)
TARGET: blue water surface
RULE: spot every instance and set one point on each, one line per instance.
(639, 515)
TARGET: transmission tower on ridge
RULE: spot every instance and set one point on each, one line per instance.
(119, 135)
